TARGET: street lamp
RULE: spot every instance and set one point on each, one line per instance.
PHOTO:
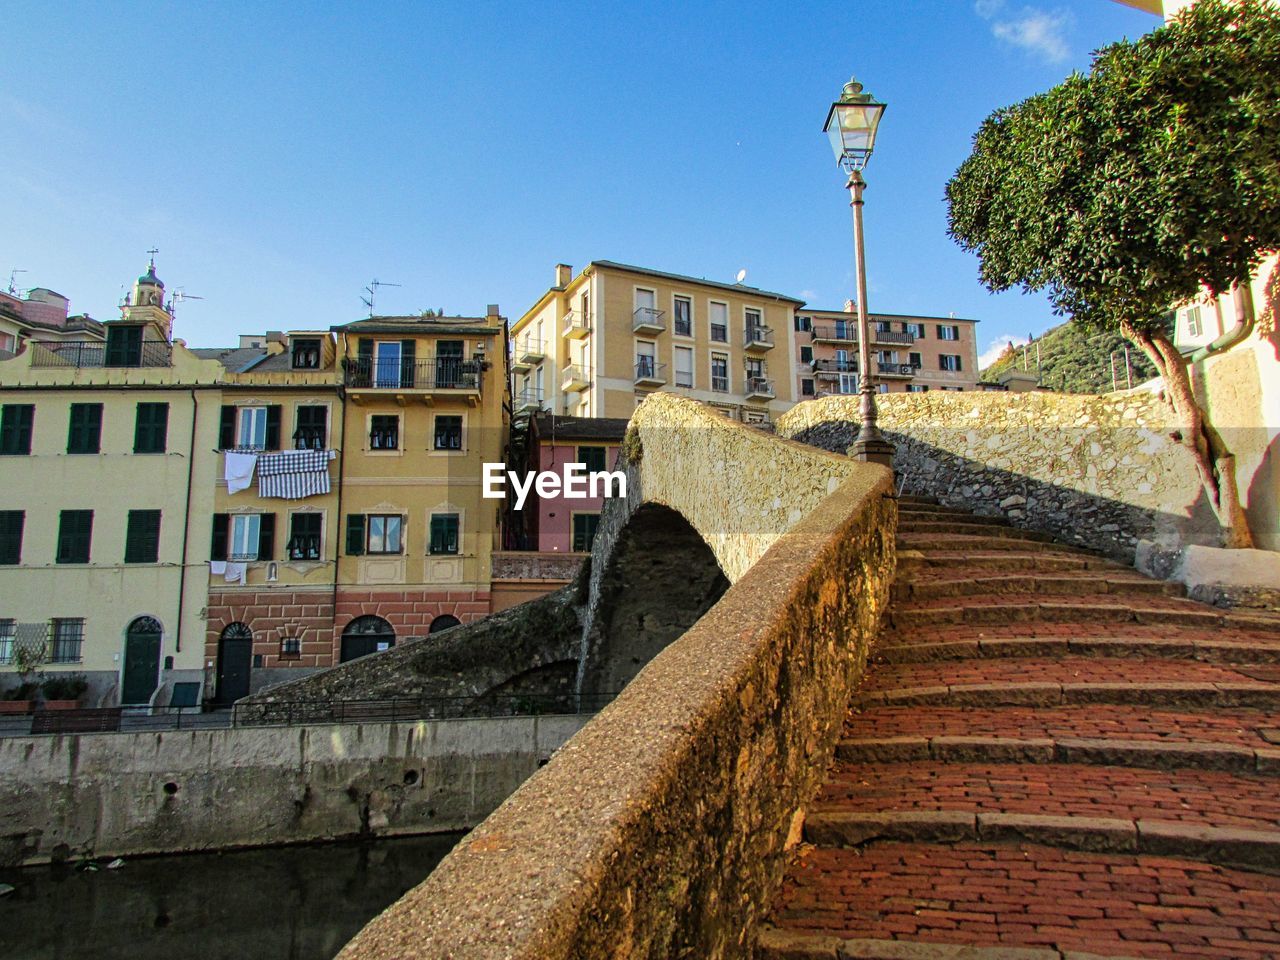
(851, 124)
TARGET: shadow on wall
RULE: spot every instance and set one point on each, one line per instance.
(1074, 516)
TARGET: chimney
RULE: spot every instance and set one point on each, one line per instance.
(850, 306)
(564, 273)
(492, 311)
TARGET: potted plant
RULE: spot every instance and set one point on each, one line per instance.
(28, 658)
(62, 691)
(19, 698)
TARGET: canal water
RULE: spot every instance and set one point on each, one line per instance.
(285, 903)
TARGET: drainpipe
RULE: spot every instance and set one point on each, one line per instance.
(186, 526)
(1245, 319)
(340, 528)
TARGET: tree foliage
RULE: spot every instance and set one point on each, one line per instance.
(1074, 359)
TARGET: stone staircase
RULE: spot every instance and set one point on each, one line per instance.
(1051, 757)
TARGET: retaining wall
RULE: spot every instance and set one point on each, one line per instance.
(115, 794)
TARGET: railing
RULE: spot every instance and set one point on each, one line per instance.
(890, 336)
(757, 337)
(835, 366)
(528, 400)
(759, 387)
(842, 332)
(292, 713)
(719, 333)
(439, 373)
(720, 384)
(576, 325)
(93, 353)
(649, 369)
(574, 377)
(682, 326)
(648, 318)
(897, 369)
(531, 348)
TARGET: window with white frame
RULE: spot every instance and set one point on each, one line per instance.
(1195, 327)
(245, 531)
(848, 383)
(384, 533)
(915, 329)
(948, 332)
(8, 629)
(684, 366)
(949, 361)
(252, 430)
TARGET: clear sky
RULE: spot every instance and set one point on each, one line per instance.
(283, 156)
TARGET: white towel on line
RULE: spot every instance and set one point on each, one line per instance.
(235, 571)
(218, 567)
(239, 470)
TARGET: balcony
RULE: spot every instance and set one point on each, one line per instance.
(759, 388)
(575, 378)
(529, 401)
(648, 320)
(892, 337)
(831, 369)
(905, 370)
(425, 379)
(82, 354)
(532, 350)
(757, 338)
(649, 373)
(576, 325)
(840, 332)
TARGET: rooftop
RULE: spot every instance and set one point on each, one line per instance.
(552, 427)
(416, 324)
(735, 287)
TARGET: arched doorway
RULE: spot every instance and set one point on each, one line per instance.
(235, 658)
(141, 661)
(366, 635)
(443, 622)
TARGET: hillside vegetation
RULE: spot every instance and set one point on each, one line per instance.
(1075, 360)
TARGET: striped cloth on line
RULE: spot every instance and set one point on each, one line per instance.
(294, 474)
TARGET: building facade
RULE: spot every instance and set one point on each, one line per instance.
(597, 344)
(912, 354)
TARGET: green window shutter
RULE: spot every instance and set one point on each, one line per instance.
(11, 523)
(355, 534)
(227, 428)
(408, 366)
(273, 428)
(84, 432)
(593, 458)
(266, 536)
(151, 428)
(16, 420)
(584, 530)
(75, 531)
(218, 544)
(142, 537)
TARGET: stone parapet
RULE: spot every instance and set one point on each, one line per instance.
(530, 565)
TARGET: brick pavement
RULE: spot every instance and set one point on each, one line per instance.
(1050, 758)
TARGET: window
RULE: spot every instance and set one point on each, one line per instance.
(682, 324)
(804, 324)
(124, 346)
(304, 536)
(882, 388)
(444, 533)
(915, 329)
(142, 537)
(448, 433)
(754, 324)
(8, 629)
(720, 372)
(75, 530)
(918, 388)
(584, 531)
(384, 432)
(848, 383)
(243, 536)
(948, 332)
(68, 639)
(646, 360)
(11, 523)
(949, 361)
(312, 430)
(449, 372)
(806, 388)
(806, 354)
(1194, 326)
(250, 428)
(915, 360)
(846, 330)
(684, 366)
(385, 532)
(388, 368)
(884, 326)
(15, 428)
(593, 458)
(151, 428)
(290, 648)
(306, 353)
(719, 322)
(84, 431)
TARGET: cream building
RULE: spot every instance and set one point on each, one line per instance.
(597, 344)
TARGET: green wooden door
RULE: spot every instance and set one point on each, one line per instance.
(141, 661)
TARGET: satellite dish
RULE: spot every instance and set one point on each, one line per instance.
(742, 275)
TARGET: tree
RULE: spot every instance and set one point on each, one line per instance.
(1128, 191)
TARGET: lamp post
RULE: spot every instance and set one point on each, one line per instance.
(851, 124)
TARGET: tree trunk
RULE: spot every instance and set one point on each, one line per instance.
(1214, 462)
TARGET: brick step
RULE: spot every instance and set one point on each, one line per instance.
(1255, 730)
(1132, 793)
(893, 649)
(1151, 754)
(908, 901)
(928, 585)
(1063, 670)
(917, 563)
(918, 501)
(985, 529)
(1189, 696)
(930, 542)
(980, 608)
(943, 515)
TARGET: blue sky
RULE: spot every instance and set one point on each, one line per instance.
(282, 158)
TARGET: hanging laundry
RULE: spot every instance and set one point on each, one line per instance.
(294, 474)
(239, 470)
(218, 567)
(235, 572)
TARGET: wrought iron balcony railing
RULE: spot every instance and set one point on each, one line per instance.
(759, 387)
(94, 353)
(650, 371)
(835, 367)
(897, 369)
(439, 373)
(757, 338)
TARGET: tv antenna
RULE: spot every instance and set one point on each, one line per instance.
(742, 275)
(179, 295)
(372, 291)
(13, 281)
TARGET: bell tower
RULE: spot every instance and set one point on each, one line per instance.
(145, 304)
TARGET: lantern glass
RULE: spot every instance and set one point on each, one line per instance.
(852, 129)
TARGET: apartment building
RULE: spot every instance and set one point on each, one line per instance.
(106, 444)
(596, 344)
(42, 315)
(912, 354)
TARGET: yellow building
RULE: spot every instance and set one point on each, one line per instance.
(597, 344)
(104, 448)
(426, 406)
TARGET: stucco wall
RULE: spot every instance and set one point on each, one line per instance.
(1100, 471)
(114, 794)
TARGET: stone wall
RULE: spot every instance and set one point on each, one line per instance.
(1100, 471)
(117, 794)
(661, 829)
